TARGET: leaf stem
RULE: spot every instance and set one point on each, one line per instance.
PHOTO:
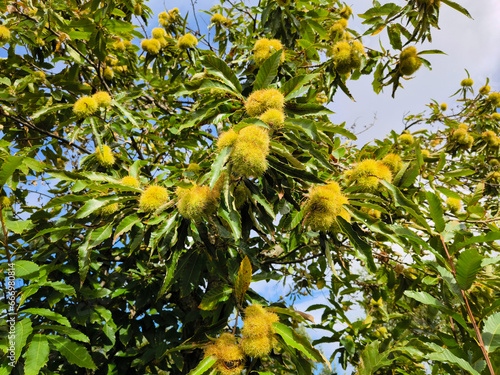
(236, 321)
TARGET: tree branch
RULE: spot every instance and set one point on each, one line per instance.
(36, 128)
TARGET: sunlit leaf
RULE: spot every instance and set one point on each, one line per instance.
(243, 280)
(37, 355)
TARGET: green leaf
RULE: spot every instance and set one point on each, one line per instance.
(395, 36)
(5, 367)
(169, 273)
(9, 166)
(100, 234)
(312, 149)
(164, 229)
(427, 299)
(68, 331)
(401, 201)
(25, 269)
(302, 365)
(491, 333)
(384, 10)
(478, 194)
(189, 270)
(371, 359)
(441, 354)
(459, 173)
(329, 260)
(75, 55)
(84, 252)
(293, 86)
(431, 51)
(424, 298)
(451, 281)
(5, 81)
(487, 261)
(60, 287)
(211, 84)
(51, 315)
(366, 251)
(37, 355)
(344, 88)
(268, 71)
(205, 365)
(89, 207)
(264, 203)
(125, 225)
(23, 330)
(279, 149)
(468, 265)
(73, 352)
(220, 69)
(336, 129)
(488, 237)
(35, 165)
(76, 34)
(110, 331)
(457, 7)
(18, 226)
(430, 280)
(299, 342)
(436, 210)
(293, 172)
(448, 193)
(305, 125)
(218, 164)
(28, 291)
(50, 109)
(214, 296)
(126, 114)
(305, 109)
(229, 213)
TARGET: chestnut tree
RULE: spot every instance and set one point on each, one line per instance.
(153, 170)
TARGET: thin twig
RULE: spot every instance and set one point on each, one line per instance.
(151, 100)
(195, 18)
(82, 55)
(481, 221)
(298, 260)
(236, 321)
(52, 135)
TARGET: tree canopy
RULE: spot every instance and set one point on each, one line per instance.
(152, 171)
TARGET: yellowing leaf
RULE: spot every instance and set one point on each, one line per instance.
(378, 30)
(243, 280)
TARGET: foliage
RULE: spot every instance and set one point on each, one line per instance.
(137, 237)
